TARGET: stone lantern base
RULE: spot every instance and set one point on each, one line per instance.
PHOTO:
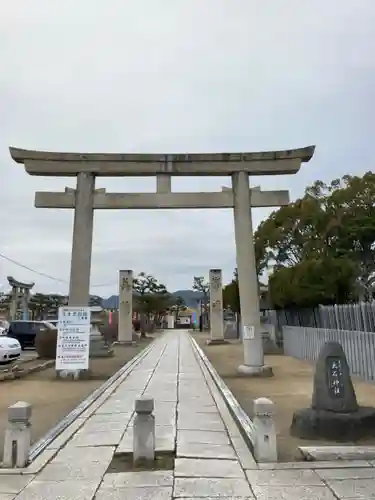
(98, 346)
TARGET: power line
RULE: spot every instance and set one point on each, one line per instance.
(19, 264)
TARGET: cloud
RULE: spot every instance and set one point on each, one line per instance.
(166, 76)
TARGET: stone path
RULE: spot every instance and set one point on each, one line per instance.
(192, 420)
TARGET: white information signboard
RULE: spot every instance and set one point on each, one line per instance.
(73, 339)
(184, 320)
(248, 332)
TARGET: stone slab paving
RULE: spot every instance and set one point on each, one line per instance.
(193, 422)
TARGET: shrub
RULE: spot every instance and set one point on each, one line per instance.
(45, 343)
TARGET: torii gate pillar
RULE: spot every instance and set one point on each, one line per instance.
(79, 287)
(247, 280)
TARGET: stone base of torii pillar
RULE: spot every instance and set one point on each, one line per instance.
(216, 342)
(255, 371)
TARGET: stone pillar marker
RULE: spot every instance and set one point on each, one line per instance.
(79, 289)
(334, 413)
(125, 317)
(216, 308)
(265, 442)
(247, 280)
(144, 430)
(17, 436)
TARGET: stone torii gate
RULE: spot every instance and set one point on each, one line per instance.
(239, 166)
(20, 295)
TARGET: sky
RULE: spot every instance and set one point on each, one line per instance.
(167, 76)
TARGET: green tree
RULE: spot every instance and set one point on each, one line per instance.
(158, 305)
(231, 295)
(95, 300)
(350, 204)
(330, 231)
(312, 282)
(4, 298)
(178, 305)
(202, 286)
(151, 298)
(42, 304)
(4, 302)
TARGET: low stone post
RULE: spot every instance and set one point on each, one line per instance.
(17, 436)
(265, 444)
(144, 430)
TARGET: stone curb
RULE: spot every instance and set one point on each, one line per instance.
(354, 456)
(45, 441)
(23, 372)
(37, 459)
(242, 420)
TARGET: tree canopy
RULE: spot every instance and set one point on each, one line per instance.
(177, 305)
(203, 286)
(200, 285)
(46, 304)
(231, 298)
(321, 247)
(150, 297)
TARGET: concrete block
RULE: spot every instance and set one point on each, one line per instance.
(64, 490)
(17, 439)
(195, 467)
(136, 493)
(144, 405)
(144, 430)
(211, 487)
(20, 412)
(204, 450)
(265, 444)
(138, 479)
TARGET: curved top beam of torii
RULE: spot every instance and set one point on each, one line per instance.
(20, 284)
(44, 163)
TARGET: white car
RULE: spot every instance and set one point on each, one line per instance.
(10, 349)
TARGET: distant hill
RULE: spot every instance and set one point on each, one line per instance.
(190, 297)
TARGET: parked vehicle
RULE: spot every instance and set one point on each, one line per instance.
(25, 331)
(10, 349)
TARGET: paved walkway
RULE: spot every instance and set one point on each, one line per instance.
(212, 460)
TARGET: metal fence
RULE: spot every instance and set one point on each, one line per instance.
(309, 317)
(358, 317)
(359, 347)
